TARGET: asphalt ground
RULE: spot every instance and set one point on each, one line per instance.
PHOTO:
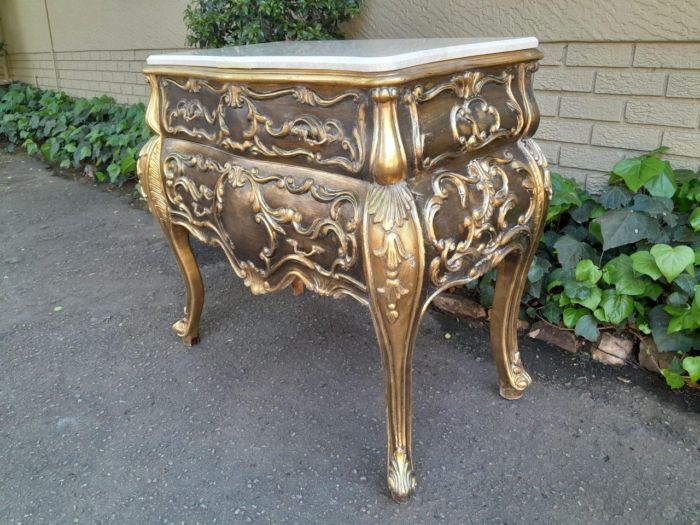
(277, 415)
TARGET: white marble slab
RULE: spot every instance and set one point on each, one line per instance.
(344, 55)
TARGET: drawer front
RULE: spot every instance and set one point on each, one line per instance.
(475, 215)
(311, 126)
(451, 119)
(273, 222)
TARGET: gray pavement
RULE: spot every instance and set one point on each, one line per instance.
(277, 415)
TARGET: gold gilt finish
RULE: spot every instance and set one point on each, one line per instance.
(388, 188)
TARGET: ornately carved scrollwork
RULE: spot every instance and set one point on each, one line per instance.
(209, 123)
(474, 121)
(200, 208)
(485, 233)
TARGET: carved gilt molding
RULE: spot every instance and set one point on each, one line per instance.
(485, 234)
(312, 131)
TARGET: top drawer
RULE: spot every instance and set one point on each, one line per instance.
(297, 124)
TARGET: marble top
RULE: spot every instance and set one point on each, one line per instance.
(344, 55)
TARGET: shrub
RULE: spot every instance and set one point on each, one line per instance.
(72, 132)
(219, 23)
(627, 260)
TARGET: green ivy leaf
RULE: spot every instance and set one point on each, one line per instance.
(643, 262)
(615, 197)
(621, 227)
(631, 285)
(686, 283)
(617, 308)
(571, 316)
(653, 206)
(673, 379)
(665, 342)
(582, 213)
(586, 270)
(84, 153)
(587, 327)
(691, 364)
(653, 291)
(570, 251)
(552, 312)
(617, 269)
(584, 293)
(672, 261)
(694, 219)
(664, 185)
(638, 171)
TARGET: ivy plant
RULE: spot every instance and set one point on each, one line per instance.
(219, 23)
(627, 260)
(73, 132)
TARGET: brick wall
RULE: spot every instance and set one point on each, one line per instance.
(87, 73)
(601, 102)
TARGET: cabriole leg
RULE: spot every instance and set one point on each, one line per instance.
(150, 177)
(188, 327)
(394, 262)
(510, 283)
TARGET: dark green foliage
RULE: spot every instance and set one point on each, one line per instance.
(627, 260)
(73, 132)
(219, 23)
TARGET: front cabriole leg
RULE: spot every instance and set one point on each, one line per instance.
(394, 262)
(152, 187)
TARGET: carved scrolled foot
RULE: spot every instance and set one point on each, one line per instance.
(517, 382)
(185, 331)
(400, 476)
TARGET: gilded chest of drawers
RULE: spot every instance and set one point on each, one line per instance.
(387, 171)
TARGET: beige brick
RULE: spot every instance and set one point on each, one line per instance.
(142, 54)
(682, 143)
(607, 55)
(668, 55)
(683, 85)
(589, 157)
(553, 54)
(597, 181)
(550, 149)
(548, 104)
(594, 107)
(127, 54)
(562, 130)
(683, 162)
(623, 136)
(663, 113)
(630, 83)
(564, 79)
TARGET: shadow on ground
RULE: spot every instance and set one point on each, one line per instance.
(277, 416)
